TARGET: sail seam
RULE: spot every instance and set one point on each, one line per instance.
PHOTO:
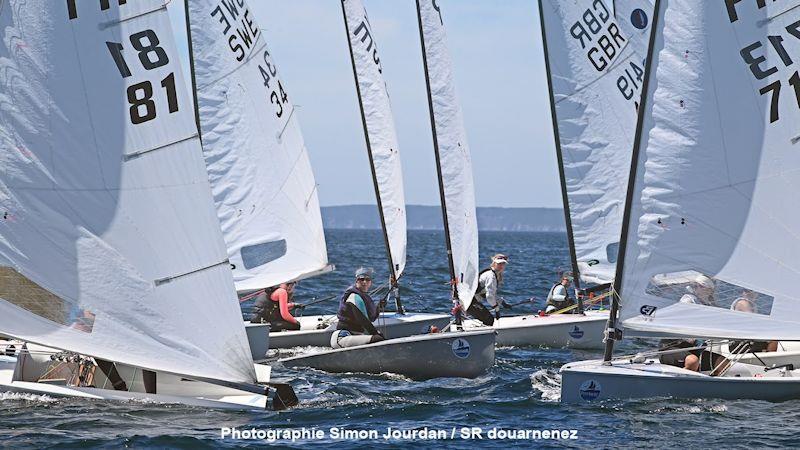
(605, 74)
(237, 68)
(129, 156)
(166, 280)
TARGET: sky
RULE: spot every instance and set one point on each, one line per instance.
(500, 80)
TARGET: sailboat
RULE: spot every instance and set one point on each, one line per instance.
(453, 353)
(712, 181)
(261, 177)
(594, 92)
(114, 280)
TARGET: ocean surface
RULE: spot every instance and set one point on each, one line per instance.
(521, 391)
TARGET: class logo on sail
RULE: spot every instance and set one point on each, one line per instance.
(590, 390)
(639, 19)
(461, 348)
(576, 332)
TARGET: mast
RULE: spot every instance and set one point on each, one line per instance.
(453, 279)
(392, 271)
(611, 331)
(191, 71)
(561, 175)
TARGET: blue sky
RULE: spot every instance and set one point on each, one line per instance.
(499, 69)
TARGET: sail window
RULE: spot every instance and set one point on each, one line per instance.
(612, 250)
(17, 289)
(263, 253)
(694, 287)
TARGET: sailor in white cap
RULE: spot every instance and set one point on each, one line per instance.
(489, 281)
(701, 291)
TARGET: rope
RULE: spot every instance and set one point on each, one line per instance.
(589, 302)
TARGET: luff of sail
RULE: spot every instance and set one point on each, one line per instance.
(380, 132)
(454, 162)
(596, 75)
(712, 244)
(260, 173)
(109, 242)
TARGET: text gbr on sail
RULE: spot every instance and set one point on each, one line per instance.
(602, 38)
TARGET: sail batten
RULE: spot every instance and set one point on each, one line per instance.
(258, 166)
(454, 162)
(85, 233)
(710, 249)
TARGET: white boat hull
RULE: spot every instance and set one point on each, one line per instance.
(788, 353)
(258, 338)
(316, 331)
(558, 330)
(591, 381)
(466, 354)
(23, 372)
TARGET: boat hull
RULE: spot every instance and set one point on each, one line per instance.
(22, 372)
(558, 330)
(258, 338)
(591, 381)
(465, 354)
(316, 331)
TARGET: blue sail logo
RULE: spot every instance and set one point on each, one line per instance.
(461, 348)
(576, 332)
(590, 390)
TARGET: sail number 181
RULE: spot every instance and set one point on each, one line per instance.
(140, 95)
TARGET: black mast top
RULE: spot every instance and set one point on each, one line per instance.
(564, 197)
(191, 70)
(626, 218)
(438, 160)
(392, 268)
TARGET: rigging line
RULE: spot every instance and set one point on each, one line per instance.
(161, 281)
(129, 156)
(111, 23)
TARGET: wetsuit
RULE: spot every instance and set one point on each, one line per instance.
(356, 313)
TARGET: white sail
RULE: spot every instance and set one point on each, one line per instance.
(381, 137)
(596, 78)
(260, 173)
(109, 243)
(713, 215)
(454, 160)
(635, 18)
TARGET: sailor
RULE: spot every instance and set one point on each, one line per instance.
(558, 298)
(356, 313)
(274, 305)
(489, 281)
(745, 304)
(700, 291)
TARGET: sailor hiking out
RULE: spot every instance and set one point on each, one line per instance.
(489, 281)
(356, 313)
(274, 306)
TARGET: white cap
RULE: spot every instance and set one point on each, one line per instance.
(500, 259)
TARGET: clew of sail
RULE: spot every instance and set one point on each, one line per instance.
(379, 130)
(259, 169)
(595, 71)
(454, 162)
(712, 243)
(109, 243)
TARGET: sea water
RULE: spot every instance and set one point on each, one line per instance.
(515, 403)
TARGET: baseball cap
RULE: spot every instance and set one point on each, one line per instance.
(364, 273)
(500, 259)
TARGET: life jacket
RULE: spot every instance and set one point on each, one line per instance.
(265, 309)
(480, 293)
(550, 300)
(344, 320)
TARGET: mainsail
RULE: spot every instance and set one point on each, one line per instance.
(713, 216)
(635, 18)
(595, 71)
(109, 242)
(260, 173)
(454, 163)
(379, 130)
